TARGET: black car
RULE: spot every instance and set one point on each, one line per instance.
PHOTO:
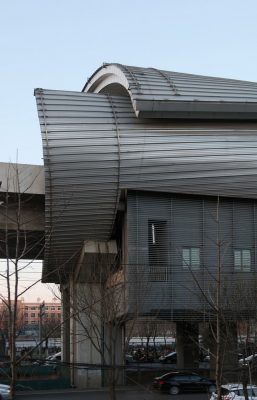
(176, 382)
(170, 358)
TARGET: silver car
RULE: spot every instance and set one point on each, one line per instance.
(5, 392)
(234, 391)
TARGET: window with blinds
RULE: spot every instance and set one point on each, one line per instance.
(157, 245)
(242, 260)
(191, 258)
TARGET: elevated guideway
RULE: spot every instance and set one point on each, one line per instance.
(22, 199)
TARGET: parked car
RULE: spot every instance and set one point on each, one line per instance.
(175, 382)
(54, 358)
(170, 358)
(252, 359)
(234, 391)
(129, 358)
(5, 393)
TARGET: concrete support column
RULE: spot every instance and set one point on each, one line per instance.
(88, 335)
(92, 301)
(113, 354)
(65, 325)
(229, 358)
(65, 329)
(187, 345)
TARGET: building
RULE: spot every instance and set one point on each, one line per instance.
(51, 312)
(150, 176)
(29, 313)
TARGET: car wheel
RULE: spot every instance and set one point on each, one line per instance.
(174, 390)
(211, 388)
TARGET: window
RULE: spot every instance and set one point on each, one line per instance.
(242, 260)
(191, 258)
(59, 315)
(32, 315)
(46, 308)
(59, 308)
(32, 308)
(52, 315)
(157, 250)
(52, 308)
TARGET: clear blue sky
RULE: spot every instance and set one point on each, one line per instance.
(57, 44)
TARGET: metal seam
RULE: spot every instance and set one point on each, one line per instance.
(48, 156)
(132, 75)
(168, 79)
(119, 157)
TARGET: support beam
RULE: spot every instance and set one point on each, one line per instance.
(187, 345)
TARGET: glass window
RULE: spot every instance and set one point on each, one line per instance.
(157, 250)
(191, 258)
(32, 308)
(186, 258)
(52, 308)
(32, 315)
(242, 260)
(195, 378)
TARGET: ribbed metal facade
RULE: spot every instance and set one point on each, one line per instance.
(176, 244)
(95, 146)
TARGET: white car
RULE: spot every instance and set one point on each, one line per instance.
(54, 358)
(234, 391)
(248, 360)
(5, 392)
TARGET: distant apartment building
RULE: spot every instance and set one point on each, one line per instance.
(50, 312)
(29, 313)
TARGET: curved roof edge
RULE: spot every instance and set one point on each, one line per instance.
(156, 93)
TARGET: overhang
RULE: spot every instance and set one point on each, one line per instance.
(156, 93)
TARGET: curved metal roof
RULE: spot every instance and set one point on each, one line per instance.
(164, 94)
(95, 145)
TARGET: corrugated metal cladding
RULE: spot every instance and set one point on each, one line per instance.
(174, 244)
(166, 94)
(95, 146)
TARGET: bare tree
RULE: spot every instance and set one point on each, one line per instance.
(100, 309)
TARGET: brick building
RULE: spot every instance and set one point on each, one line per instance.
(29, 313)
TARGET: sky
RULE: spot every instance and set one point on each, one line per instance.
(58, 44)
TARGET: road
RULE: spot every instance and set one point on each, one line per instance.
(129, 394)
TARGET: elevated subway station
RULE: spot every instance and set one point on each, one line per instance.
(150, 197)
